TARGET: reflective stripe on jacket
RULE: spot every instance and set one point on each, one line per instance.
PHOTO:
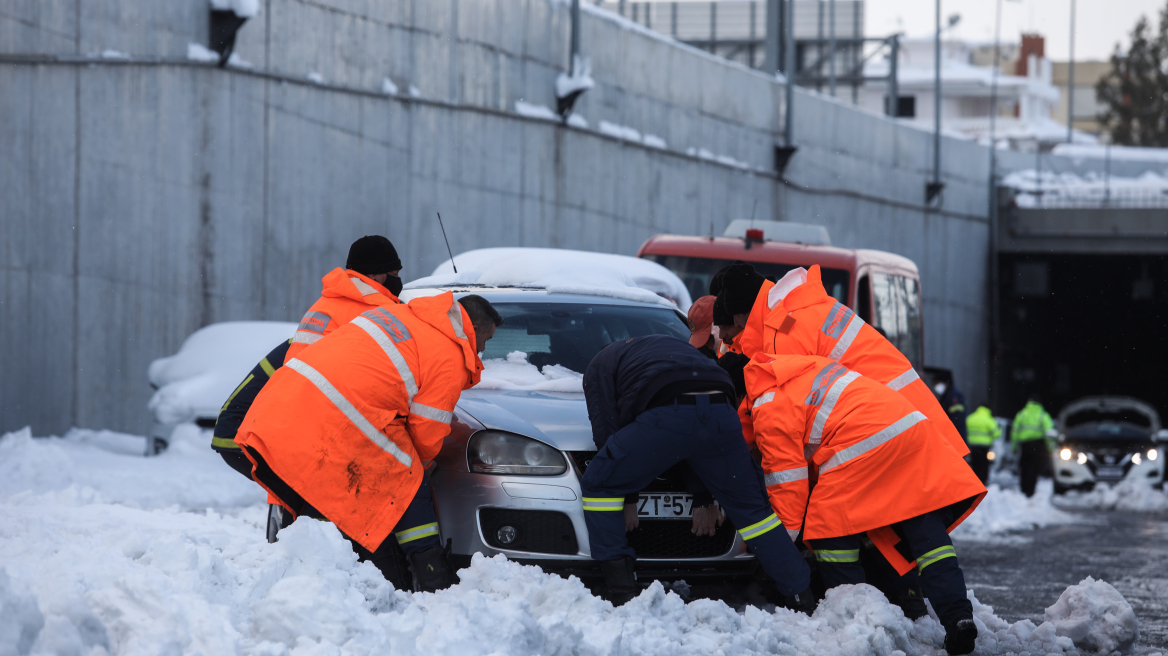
(1031, 423)
(875, 458)
(344, 294)
(982, 427)
(806, 321)
(350, 423)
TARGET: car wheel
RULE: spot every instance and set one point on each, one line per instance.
(1060, 488)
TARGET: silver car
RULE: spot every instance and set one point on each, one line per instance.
(508, 478)
(1108, 439)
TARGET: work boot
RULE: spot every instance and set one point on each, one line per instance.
(960, 637)
(432, 570)
(912, 602)
(620, 579)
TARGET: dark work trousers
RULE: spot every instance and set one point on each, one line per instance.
(1031, 462)
(940, 576)
(709, 438)
(237, 461)
(979, 461)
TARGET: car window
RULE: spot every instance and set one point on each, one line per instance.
(570, 335)
(696, 273)
(897, 313)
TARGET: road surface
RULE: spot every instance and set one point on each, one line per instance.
(1027, 574)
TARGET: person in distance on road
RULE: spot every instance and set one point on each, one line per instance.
(1028, 433)
(346, 430)
(655, 401)
(951, 400)
(983, 430)
(878, 468)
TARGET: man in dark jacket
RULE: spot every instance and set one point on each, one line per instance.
(235, 408)
(655, 401)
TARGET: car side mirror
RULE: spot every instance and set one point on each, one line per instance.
(1161, 436)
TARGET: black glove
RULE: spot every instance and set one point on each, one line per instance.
(804, 602)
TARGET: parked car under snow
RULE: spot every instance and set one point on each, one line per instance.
(1108, 439)
(192, 385)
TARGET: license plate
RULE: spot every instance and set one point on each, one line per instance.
(665, 506)
(1109, 472)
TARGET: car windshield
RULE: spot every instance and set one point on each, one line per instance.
(570, 334)
(696, 273)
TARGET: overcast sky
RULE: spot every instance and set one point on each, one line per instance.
(1099, 24)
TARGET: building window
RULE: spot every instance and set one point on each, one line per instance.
(906, 106)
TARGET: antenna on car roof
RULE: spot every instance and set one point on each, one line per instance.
(447, 242)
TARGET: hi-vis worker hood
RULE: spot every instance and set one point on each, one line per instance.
(445, 314)
(359, 287)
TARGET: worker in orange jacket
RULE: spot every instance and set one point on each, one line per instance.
(345, 430)
(798, 317)
(878, 467)
(370, 279)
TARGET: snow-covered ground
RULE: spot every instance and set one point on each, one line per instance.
(1127, 495)
(104, 551)
(1005, 510)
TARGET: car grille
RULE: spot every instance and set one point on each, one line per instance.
(536, 531)
(669, 539)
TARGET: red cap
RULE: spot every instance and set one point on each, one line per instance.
(701, 315)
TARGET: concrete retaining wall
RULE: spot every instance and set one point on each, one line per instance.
(147, 198)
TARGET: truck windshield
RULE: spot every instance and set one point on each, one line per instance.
(696, 273)
(571, 334)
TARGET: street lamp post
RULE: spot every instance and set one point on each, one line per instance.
(933, 189)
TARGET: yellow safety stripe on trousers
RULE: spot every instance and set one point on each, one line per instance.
(758, 528)
(933, 556)
(267, 367)
(236, 392)
(224, 443)
(417, 533)
(956, 407)
(607, 504)
(838, 555)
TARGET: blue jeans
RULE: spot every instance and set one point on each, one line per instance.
(709, 438)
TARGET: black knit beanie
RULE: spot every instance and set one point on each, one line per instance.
(740, 285)
(721, 316)
(371, 255)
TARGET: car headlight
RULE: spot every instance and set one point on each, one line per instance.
(1066, 454)
(1136, 459)
(991, 455)
(1153, 454)
(491, 452)
(1082, 460)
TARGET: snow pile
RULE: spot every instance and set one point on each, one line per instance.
(242, 8)
(314, 77)
(706, 154)
(516, 373)
(1095, 616)
(577, 121)
(1126, 495)
(201, 53)
(388, 87)
(580, 81)
(115, 553)
(563, 271)
(535, 111)
(115, 54)
(619, 131)
(1050, 188)
(1005, 510)
(21, 620)
(209, 366)
(654, 141)
(1101, 151)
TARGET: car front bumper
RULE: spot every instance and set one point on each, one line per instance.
(1072, 474)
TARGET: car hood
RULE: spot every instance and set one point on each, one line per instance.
(558, 418)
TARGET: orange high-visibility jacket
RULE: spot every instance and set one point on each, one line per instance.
(801, 319)
(875, 459)
(351, 422)
(344, 294)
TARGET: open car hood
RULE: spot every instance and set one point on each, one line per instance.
(1107, 405)
(557, 418)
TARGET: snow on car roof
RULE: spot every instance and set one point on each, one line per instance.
(563, 271)
(209, 365)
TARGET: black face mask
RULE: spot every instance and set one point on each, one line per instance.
(393, 284)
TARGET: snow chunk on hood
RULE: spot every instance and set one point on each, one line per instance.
(516, 373)
(563, 271)
(209, 365)
(1095, 616)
